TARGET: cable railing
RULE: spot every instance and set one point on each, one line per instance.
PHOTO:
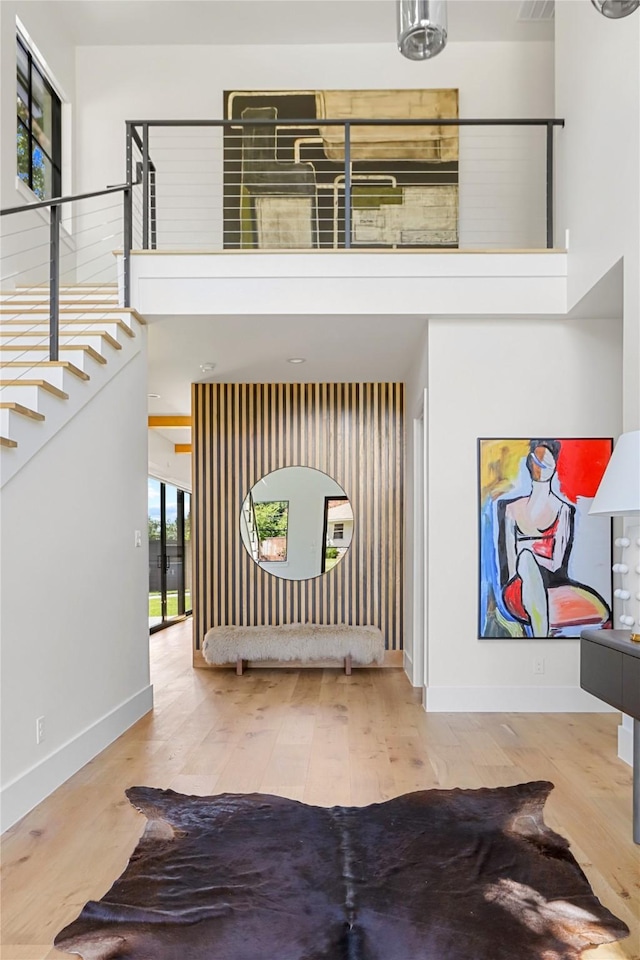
(64, 264)
(263, 182)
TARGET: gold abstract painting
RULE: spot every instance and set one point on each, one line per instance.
(286, 183)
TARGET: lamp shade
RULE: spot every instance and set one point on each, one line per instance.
(619, 492)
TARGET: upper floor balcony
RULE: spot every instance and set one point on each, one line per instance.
(295, 204)
(301, 173)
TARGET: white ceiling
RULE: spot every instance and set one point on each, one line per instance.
(116, 22)
(255, 350)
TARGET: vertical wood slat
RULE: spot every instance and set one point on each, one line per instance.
(352, 431)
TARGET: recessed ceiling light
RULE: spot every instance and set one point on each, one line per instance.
(296, 360)
(207, 367)
(153, 396)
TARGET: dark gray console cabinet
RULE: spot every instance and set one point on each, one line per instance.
(610, 670)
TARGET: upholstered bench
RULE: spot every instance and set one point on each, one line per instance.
(294, 641)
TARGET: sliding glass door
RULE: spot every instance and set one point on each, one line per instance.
(169, 553)
(155, 553)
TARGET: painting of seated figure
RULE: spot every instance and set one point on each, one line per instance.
(284, 183)
(545, 564)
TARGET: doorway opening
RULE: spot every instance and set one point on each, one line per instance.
(337, 530)
(169, 523)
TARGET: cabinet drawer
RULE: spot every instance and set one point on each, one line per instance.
(601, 672)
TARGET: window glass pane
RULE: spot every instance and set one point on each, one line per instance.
(42, 110)
(187, 552)
(173, 558)
(23, 153)
(272, 521)
(23, 83)
(155, 553)
(23, 110)
(171, 508)
(42, 184)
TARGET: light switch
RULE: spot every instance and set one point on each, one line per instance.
(137, 540)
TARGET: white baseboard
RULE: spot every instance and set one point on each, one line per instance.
(512, 700)
(24, 793)
(625, 743)
(407, 663)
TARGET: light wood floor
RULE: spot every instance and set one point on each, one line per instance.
(321, 737)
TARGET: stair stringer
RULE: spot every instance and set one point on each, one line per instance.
(32, 435)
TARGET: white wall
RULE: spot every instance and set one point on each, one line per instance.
(502, 80)
(57, 49)
(598, 93)
(362, 282)
(75, 644)
(501, 378)
(58, 52)
(416, 382)
(166, 464)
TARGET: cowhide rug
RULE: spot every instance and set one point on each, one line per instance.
(432, 875)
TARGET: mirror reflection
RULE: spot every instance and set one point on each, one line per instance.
(296, 523)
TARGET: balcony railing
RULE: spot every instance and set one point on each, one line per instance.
(52, 244)
(267, 183)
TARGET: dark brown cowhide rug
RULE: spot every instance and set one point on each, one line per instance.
(432, 875)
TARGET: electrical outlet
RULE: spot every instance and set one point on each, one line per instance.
(137, 538)
(39, 729)
(538, 665)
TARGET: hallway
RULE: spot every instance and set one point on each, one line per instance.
(320, 737)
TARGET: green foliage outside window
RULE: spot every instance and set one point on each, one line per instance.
(171, 529)
(38, 131)
(272, 518)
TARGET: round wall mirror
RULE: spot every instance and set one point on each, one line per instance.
(296, 523)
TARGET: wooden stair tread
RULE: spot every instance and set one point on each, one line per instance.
(22, 410)
(43, 325)
(99, 311)
(6, 442)
(12, 300)
(44, 384)
(64, 364)
(93, 353)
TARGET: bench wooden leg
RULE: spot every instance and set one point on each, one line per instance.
(347, 665)
(239, 666)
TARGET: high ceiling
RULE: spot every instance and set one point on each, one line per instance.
(250, 348)
(100, 22)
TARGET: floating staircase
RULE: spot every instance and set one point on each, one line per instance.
(38, 396)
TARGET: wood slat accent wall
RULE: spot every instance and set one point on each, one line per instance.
(352, 431)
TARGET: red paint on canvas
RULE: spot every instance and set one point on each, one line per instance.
(581, 464)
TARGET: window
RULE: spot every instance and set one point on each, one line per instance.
(272, 521)
(338, 531)
(38, 141)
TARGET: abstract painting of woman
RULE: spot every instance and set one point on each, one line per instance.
(530, 584)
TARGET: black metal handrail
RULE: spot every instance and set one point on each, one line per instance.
(144, 171)
(356, 121)
(54, 204)
(39, 204)
(149, 171)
